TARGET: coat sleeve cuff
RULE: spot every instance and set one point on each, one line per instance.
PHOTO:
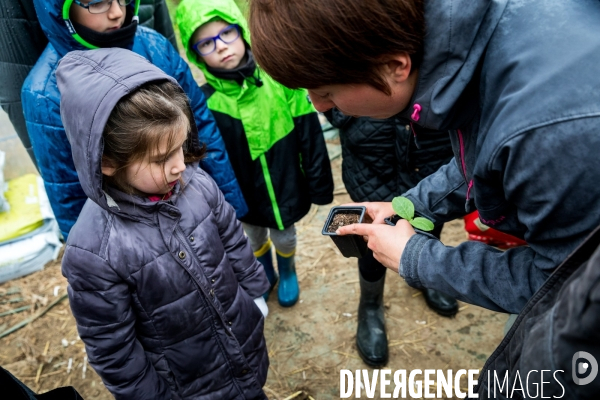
(409, 262)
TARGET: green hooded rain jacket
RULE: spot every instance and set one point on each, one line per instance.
(272, 133)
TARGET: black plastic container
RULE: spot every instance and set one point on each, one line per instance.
(349, 245)
(392, 220)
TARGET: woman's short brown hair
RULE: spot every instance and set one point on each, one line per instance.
(140, 121)
(312, 43)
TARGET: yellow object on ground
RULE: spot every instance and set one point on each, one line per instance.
(25, 214)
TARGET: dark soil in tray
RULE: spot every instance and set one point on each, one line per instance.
(341, 219)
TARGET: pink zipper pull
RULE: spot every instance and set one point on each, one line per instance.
(417, 109)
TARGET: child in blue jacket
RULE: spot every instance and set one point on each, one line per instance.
(91, 25)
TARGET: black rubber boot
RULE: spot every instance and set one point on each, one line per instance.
(441, 303)
(371, 338)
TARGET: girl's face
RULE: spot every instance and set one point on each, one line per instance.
(109, 21)
(160, 170)
(225, 55)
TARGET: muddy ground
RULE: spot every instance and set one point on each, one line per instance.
(308, 343)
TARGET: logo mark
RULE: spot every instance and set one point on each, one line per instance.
(581, 368)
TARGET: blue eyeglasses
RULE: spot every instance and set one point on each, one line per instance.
(101, 6)
(227, 35)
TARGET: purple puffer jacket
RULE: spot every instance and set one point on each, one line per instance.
(162, 292)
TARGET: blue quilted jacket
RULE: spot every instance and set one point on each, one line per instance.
(41, 105)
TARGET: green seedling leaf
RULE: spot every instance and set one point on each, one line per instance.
(403, 207)
(422, 223)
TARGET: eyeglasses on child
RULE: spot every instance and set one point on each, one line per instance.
(101, 6)
(208, 45)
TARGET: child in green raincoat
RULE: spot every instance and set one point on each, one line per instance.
(272, 134)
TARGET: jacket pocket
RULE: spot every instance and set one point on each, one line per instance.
(161, 365)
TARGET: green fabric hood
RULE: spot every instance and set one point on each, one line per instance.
(191, 14)
(267, 111)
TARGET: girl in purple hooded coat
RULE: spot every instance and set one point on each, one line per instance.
(164, 286)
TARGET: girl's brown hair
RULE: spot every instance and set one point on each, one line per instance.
(312, 43)
(140, 121)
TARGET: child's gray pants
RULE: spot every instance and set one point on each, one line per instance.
(284, 241)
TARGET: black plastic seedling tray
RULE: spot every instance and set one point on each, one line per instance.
(349, 245)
